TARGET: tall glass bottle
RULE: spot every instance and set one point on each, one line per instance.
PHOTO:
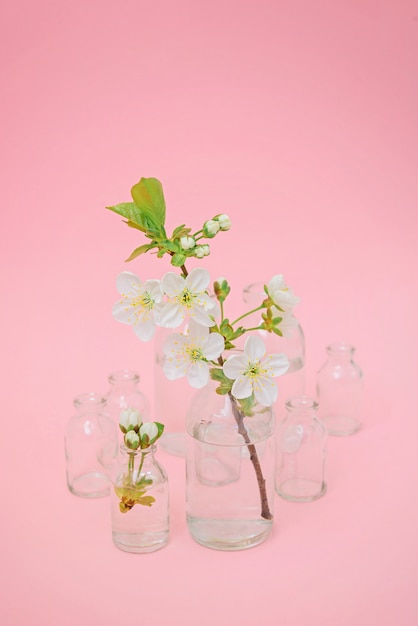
(125, 394)
(292, 344)
(340, 391)
(91, 442)
(301, 452)
(139, 501)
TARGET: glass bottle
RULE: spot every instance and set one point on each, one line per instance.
(125, 394)
(139, 501)
(301, 452)
(292, 344)
(229, 472)
(91, 442)
(340, 390)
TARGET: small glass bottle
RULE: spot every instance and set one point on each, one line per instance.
(340, 390)
(139, 501)
(301, 452)
(124, 394)
(91, 442)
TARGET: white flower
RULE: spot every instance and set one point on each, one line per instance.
(188, 355)
(282, 296)
(150, 431)
(206, 249)
(187, 243)
(186, 296)
(140, 304)
(224, 222)
(210, 228)
(253, 374)
(129, 419)
(288, 323)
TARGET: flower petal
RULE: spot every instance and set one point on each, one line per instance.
(213, 346)
(172, 284)
(205, 301)
(171, 315)
(153, 287)
(174, 343)
(174, 369)
(242, 387)
(197, 333)
(129, 283)
(123, 312)
(235, 366)
(200, 316)
(254, 348)
(145, 327)
(198, 374)
(198, 280)
(265, 390)
(275, 364)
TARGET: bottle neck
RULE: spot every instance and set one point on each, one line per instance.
(139, 452)
(302, 405)
(125, 379)
(340, 352)
(90, 402)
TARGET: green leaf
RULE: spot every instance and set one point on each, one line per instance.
(169, 245)
(123, 209)
(225, 383)
(149, 198)
(180, 231)
(246, 405)
(139, 251)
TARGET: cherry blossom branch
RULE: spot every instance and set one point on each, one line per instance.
(239, 418)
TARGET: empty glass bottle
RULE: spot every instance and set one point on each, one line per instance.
(91, 442)
(139, 501)
(340, 391)
(125, 394)
(301, 452)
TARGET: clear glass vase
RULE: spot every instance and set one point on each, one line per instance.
(301, 452)
(339, 386)
(139, 501)
(91, 442)
(229, 477)
(124, 393)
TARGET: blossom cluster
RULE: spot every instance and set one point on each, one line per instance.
(176, 299)
(138, 434)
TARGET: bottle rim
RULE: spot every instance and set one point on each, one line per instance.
(301, 402)
(340, 347)
(123, 376)
(89, 399)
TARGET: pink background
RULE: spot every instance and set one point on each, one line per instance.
(298, 118)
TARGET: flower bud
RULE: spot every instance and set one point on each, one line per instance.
(129, 419)
(148, 433)
(224, 222)
(206, 250)
(132, 440)
(210, 228)
(187, 243)
(199, 252)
